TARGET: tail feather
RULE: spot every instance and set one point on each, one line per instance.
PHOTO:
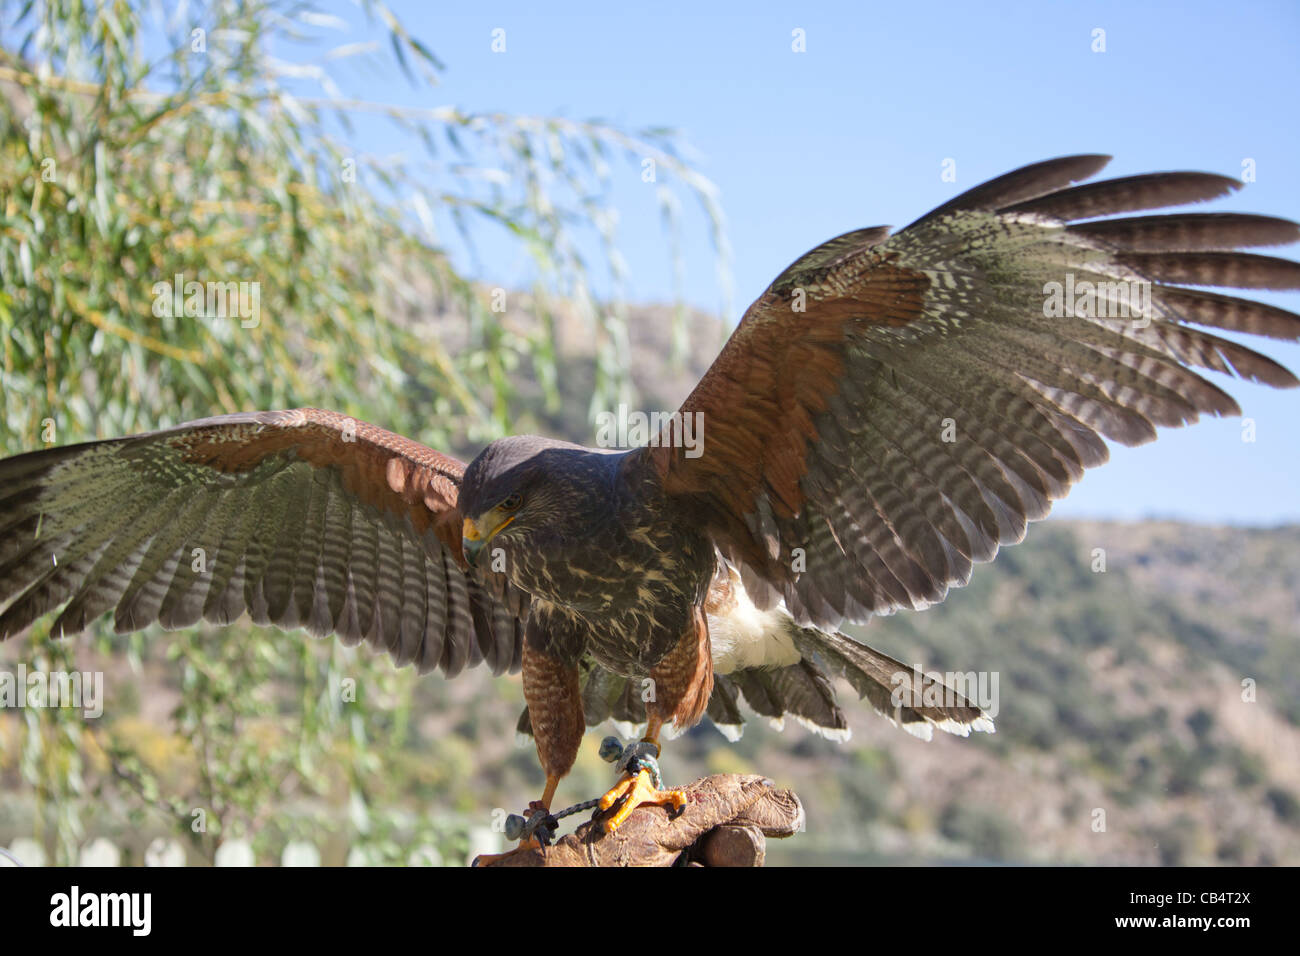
(802, 691)
(724, 708)
(906, 698)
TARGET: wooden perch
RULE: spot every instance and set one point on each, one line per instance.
(726, 822)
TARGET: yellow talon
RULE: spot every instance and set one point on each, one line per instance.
(634, 792)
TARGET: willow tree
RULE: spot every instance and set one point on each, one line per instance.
(139, 155)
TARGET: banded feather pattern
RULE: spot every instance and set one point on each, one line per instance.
(894, 408)
(298, 518)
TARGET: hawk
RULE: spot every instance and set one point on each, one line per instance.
(889, 412)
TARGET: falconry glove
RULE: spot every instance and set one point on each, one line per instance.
(726, 822)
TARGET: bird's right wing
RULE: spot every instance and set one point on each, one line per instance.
(301, 518)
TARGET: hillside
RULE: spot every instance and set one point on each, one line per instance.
(1120, 693)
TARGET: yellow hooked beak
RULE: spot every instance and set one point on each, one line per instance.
(473, 540)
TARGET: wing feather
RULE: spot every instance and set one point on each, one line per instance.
(300, 518)
(893, 410)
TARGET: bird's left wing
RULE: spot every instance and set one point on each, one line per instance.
(893, 408)
(301, 518)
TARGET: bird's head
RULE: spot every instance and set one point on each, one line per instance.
(531, 489)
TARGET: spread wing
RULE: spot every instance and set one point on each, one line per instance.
(301, 518)
(895, 407)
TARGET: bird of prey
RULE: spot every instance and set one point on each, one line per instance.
(891, 410)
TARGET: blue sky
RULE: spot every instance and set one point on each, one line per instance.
(853, 132)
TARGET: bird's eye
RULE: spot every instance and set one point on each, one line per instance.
(512, 502)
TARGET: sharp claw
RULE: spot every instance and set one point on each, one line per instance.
(636, 791)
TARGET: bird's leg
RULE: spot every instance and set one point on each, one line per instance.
(540, 807)
(639, 785)
(553, 690)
